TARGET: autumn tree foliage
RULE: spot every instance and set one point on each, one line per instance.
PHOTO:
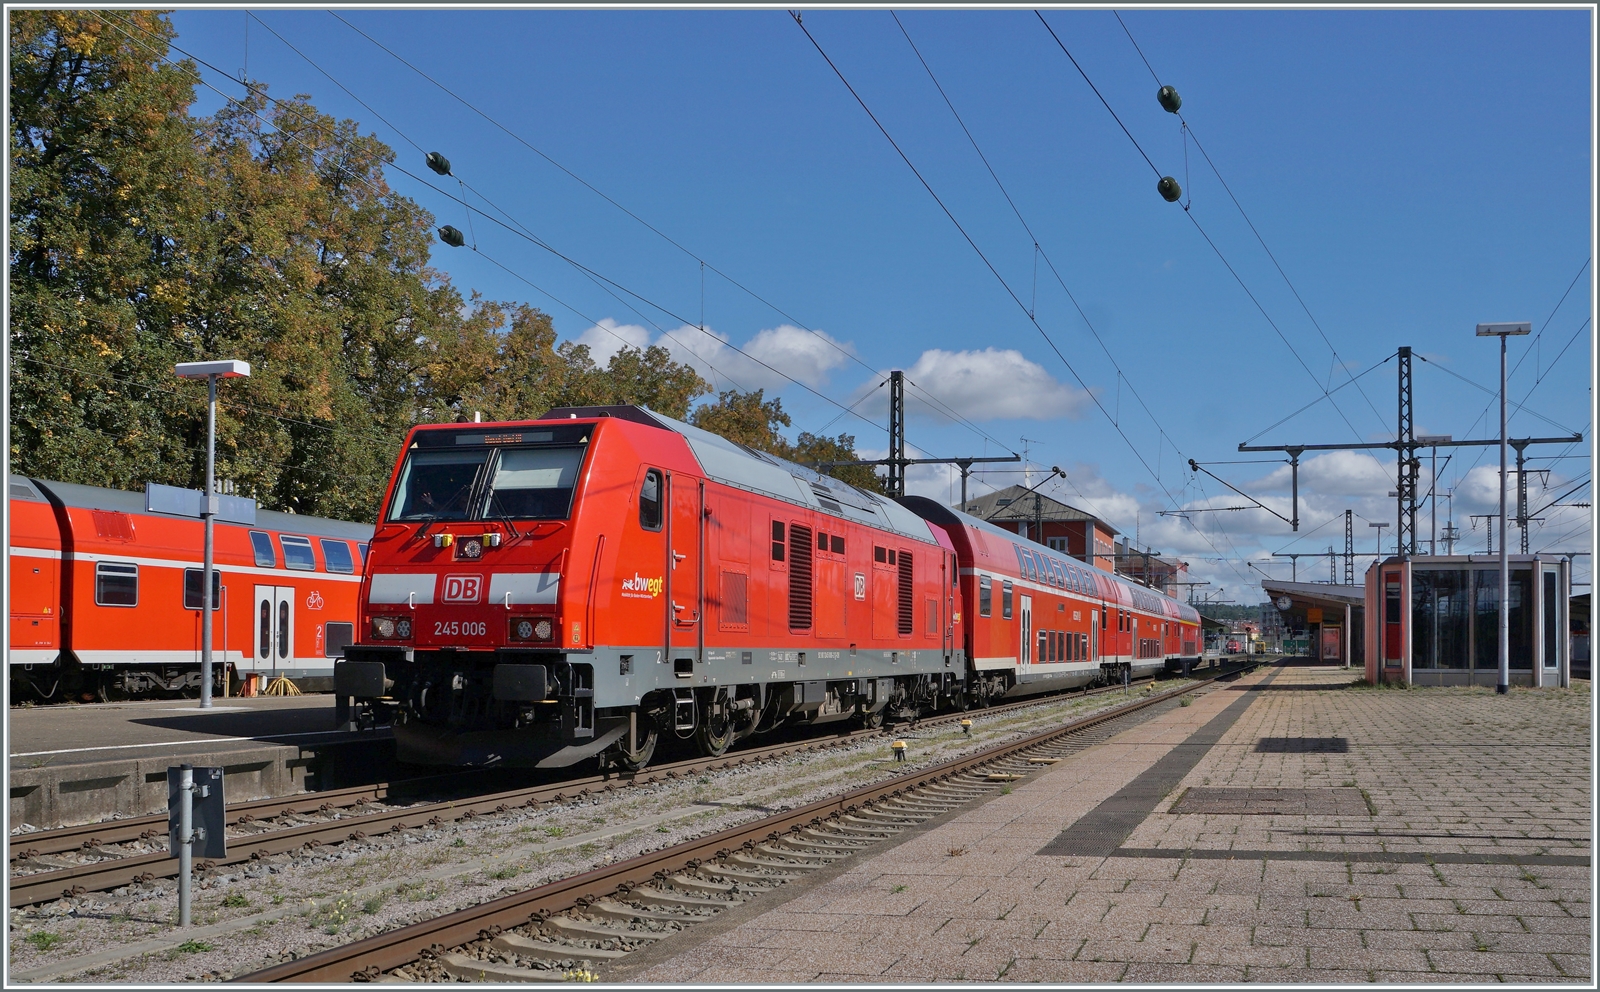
(143, 236)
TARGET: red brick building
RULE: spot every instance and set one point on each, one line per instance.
(1049, 522)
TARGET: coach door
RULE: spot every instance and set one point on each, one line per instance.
(685, 586)
(273, 643)
(1025, 652)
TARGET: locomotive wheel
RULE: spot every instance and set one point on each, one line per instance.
(872, 720)
(644, 747)
(107, 691)
(714, 732)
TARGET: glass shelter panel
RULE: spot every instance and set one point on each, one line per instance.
(1486, 620)
(1439, 614)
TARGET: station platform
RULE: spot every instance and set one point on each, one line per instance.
(1288, 827)
(77, 764)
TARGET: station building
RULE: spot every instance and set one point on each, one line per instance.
(1436, 620)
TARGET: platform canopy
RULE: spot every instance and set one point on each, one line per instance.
(1331, 616)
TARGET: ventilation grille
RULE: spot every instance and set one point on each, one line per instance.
(906, 593)
(799, 577)
(112, 525)
(735, 599)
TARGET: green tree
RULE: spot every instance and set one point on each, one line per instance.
(746, 418)
(101, 149)
(751, 419)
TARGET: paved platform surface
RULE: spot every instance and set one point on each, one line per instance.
(80, 764)
(95, 732)
(1284, 828)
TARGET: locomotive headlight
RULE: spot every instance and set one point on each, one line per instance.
(383, 627)
(543, 630)
(403, 629)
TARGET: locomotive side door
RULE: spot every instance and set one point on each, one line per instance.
(686, 588)
(272, 646)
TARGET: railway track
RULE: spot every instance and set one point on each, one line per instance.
(566, 929)
(354, 814)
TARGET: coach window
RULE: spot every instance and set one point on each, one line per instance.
(297, 553)
(777, 540)
(650, 501)
(1005, 599)
(985, 595)
(261, 541)
(116, 584)
(336, 554)
(193, 581)
(362, 547)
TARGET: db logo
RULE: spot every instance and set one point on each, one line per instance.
(314, 601)
(463, 588)
(861, 586)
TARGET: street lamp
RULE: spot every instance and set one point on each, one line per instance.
(1503, 331)
(211, 372)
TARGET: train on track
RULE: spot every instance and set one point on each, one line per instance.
(106, 596)
(580, 586)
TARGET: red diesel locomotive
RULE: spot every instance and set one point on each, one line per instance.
(543, 592)
(106, 596)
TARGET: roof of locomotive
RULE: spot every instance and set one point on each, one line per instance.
(951, 517)
(736, 465)
(96, 498)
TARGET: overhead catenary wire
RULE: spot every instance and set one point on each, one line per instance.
(707, 265)
(502, 224)
(1038, 249)
(1189, 134)
(1203, 233)
(982, 256)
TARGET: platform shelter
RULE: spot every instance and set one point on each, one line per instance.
(1436, 620)
(1330, 616)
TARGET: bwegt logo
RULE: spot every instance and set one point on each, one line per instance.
(463, 588)
(640, 587)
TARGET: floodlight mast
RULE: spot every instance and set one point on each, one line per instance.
(1502, 331)
(211, 372)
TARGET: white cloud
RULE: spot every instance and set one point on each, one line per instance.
(799, 353)
(992, 384)
(789, 351)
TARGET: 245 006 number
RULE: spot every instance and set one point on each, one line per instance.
(455, 628)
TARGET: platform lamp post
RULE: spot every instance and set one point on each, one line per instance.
(211, 372)
(1502, 331)
(1381, 524)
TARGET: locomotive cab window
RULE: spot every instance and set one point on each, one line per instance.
(116, 584)
(777, 540)
(261, 544)
(193, 581)
(297, 553)
(650, 501)
(533, 483)
(337, 556)
(837, 543)
(437, 485)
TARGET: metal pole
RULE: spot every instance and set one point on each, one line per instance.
(185, 837)
(208, 511)
(1504, 685)
(1433, 503)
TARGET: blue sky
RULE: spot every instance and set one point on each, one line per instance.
(1413, 172)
